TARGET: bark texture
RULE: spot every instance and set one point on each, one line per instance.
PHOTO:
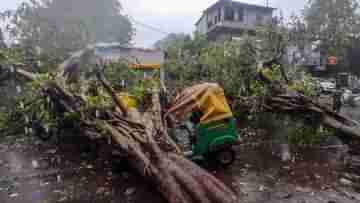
(143, 138)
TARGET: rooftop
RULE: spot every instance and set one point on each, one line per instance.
(237, 4)
(234, 4)
(139, 57)
(121, 46)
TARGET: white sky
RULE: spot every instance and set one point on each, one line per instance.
(172, 16)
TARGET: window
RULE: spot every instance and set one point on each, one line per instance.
(259, 19)
(229, 13)
(219, 14)
(241, 14)
(210, 24)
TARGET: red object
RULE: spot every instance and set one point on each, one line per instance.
(332, 60)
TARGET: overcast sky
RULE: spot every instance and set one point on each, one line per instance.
(172, 16)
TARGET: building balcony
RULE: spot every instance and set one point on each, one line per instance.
(230, 29)
(235, 25)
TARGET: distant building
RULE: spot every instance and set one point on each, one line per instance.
(135, 57)
(114, 52)
(227, 19)
(147, 60)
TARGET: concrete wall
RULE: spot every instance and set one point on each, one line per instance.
(202, 26)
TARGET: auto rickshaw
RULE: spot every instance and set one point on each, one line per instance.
(211, 128)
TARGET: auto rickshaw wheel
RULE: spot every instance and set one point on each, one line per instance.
(225, 157)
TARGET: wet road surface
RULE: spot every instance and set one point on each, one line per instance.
(37, 173)
(34, 172)
(314, 177)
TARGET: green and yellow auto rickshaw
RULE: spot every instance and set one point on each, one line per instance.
(210, 127)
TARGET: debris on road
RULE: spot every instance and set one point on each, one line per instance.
(14, 195)
(345, 182)
(35, 164)
(130, 191)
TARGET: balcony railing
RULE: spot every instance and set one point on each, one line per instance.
(233, 25)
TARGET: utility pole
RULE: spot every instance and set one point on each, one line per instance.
(2, 40)
(267, 3)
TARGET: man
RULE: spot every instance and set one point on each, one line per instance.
(337, 103)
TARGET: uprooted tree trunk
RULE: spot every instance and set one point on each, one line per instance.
(143, 138)
(298, 105)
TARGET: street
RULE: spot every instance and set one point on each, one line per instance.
(33, 172)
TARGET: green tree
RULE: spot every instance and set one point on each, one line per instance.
(231, 64)
(68, 25)
(332, 24)
(171, 40)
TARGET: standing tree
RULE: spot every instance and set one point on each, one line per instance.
(172, 40)
(67, 25)
(332, 24)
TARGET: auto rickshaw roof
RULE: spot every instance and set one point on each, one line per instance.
(207, 98)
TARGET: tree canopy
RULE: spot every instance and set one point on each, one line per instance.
(69, 25)
(171, 40)
(332, 24)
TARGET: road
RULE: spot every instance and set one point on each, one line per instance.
(33, 172)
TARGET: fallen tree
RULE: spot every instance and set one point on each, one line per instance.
(300, 105)
(285, 100)
(142, 138)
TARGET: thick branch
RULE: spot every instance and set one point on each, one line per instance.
(111, 92)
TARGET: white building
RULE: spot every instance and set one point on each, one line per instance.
(227, 19)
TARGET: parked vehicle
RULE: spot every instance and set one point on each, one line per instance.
(351, 98)
(327, 86)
